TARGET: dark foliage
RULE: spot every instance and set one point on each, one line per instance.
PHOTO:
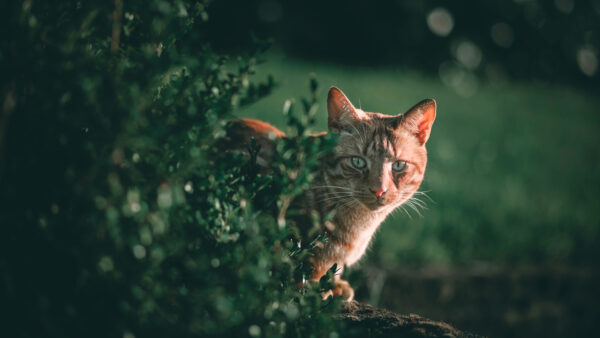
(116, 219)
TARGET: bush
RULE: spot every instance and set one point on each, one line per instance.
(117, 220)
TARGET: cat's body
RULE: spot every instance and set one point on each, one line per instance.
(377, 165)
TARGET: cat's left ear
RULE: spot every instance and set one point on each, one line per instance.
(340, 109)
(419, 119)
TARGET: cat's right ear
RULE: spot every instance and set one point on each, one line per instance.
(340, 109)
(419, 119)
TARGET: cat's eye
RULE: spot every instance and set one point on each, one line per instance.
(399, 166)
(358, 162)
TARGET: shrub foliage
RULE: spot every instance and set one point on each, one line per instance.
(117, 218)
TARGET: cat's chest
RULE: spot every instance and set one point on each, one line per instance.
(356, 249)
(354, 238)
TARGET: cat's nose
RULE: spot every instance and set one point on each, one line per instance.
(379, 192)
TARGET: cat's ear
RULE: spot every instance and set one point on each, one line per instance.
(419, 119)
(340, 109)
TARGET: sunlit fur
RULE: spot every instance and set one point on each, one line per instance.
(351, 194)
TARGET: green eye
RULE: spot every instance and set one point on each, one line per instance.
(358, 162)
(399, 166)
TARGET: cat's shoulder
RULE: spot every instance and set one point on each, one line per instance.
(256, 127)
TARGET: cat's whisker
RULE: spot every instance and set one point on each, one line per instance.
(406, 211)
(332, 195)
(345, 194)
(418, 202)
(415, 209)
(397, 210)
(338, 189)
(329, 193)
(330, 187)
(415, 206)
(342, 203)
(424, 194)
(406, 192)
(333, 201)
(349, 203)
(332, 198)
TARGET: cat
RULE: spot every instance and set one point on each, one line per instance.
(377, 165)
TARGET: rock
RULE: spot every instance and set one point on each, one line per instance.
(384, 323)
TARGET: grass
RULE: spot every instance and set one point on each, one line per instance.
(513, 173)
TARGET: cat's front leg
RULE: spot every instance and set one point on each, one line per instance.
(341, 287)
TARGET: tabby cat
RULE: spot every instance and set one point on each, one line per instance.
(377, 165)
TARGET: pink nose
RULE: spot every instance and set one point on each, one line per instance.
(380, 192)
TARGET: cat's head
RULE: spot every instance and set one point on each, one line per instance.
(380, 159)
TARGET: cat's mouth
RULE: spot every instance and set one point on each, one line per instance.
(374, 204)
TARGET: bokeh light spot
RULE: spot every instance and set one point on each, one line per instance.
(451, 74)
(165, 197)
(565, 6)
(135, 207)
(106, 264)
(158, 225)
(139, 251)
(502, 34)
(254, 330)
(291, 311)
(440, 21)
(587, 61)
(468, 86)
(464, 82)
(145, 236)
(468, 54)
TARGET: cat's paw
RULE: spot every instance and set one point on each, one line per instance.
(341, 289)
(326, 294)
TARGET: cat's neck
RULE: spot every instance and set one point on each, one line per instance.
(352, 221)
(358, 217)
